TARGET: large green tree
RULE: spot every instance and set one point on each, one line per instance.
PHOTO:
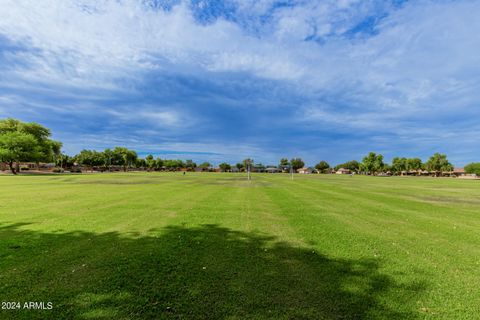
(297, 163)
(150, 160)
(373, 163)
(107, 158)
(224, 166)
(322, 166)
(124, 157)
(29, 142)
(399, 165)
(284, 162)
(205, 166)
(438, 163)
(414, 164)
(16, 147)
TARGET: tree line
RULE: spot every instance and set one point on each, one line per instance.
(31, 142)
(124, 158)
(373, 163)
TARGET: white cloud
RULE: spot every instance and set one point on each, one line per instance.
(156, 116)
(114, 39)
(96, 43)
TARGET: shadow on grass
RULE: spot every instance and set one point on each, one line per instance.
(207, 272)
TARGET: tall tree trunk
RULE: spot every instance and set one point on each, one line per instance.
(17, 166)
(10, 164)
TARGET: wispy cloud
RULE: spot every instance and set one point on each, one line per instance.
(151, 117)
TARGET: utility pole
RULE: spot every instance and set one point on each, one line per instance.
(248, 171)
(291, 171)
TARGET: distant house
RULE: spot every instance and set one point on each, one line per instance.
(330, 171)
(446, 174)
(385, 174)
(272, 170)
(460, 173)
(234, 169)
(343, 171)
(306, 170)
(258, 168)
(418, 172)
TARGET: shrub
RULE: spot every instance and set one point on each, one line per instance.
(473, 168)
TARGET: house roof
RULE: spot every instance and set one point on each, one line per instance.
(458, 170)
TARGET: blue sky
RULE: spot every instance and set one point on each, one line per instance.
(226, 80)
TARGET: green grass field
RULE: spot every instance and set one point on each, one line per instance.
(215, 246)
